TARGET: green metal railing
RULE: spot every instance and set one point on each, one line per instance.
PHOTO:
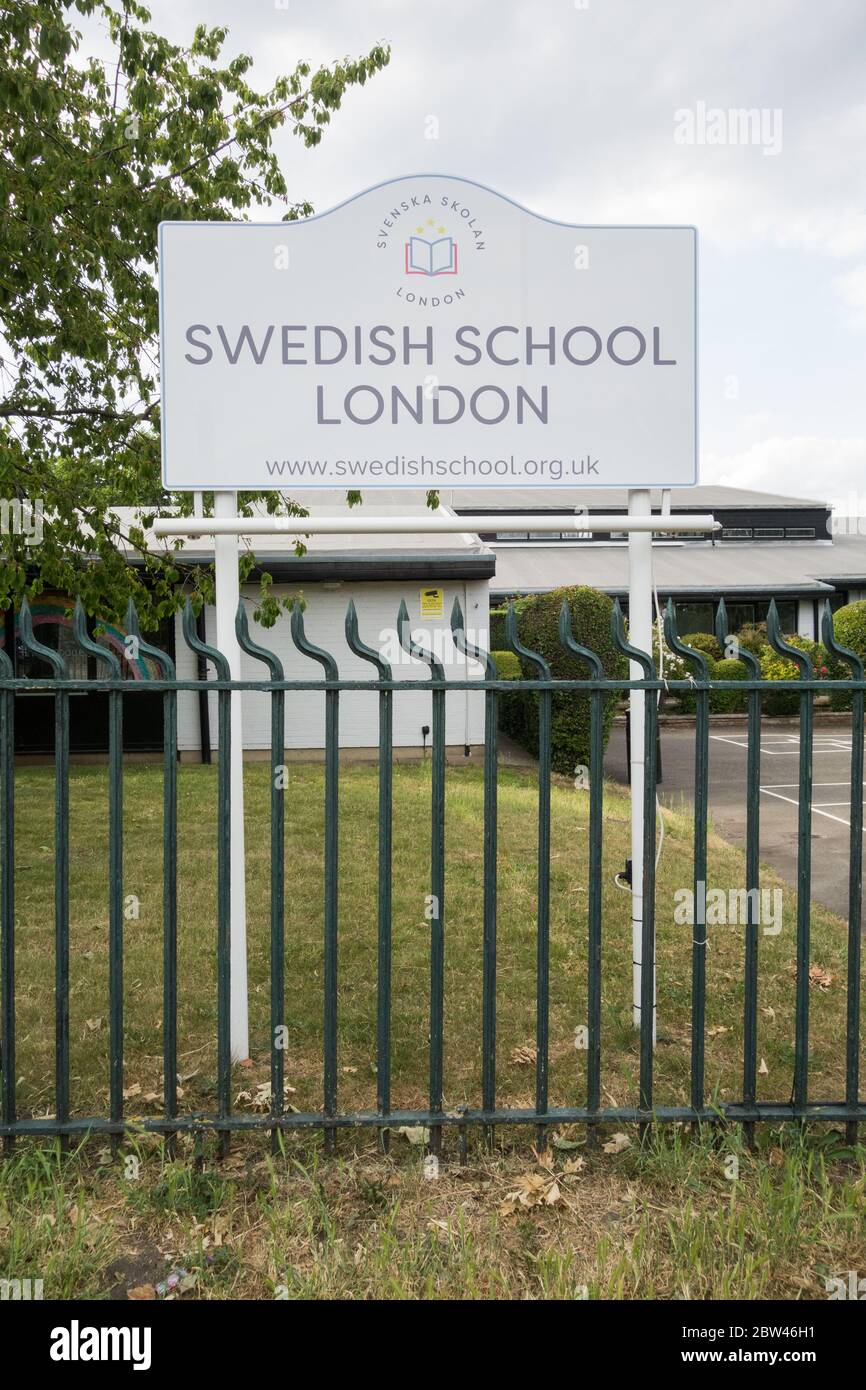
(537, 678)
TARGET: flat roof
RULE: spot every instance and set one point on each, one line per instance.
(704, 497)
(686, 567)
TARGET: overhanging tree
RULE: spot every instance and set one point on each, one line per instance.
(95, 154)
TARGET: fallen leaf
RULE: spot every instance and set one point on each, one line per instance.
(820, 977)
(524, 1056)
(617, 1144)
(141, 1293)
(763, 1069)
(416, 1134)
(133, 1090)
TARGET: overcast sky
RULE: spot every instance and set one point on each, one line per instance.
(570, 107)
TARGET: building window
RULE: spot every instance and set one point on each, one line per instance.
(694, 617)
(769, 533)
(800, 533)
(736, 533)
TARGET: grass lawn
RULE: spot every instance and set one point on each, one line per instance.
(357, 950)
(660, 1221)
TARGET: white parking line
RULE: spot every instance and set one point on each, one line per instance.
(816, 809)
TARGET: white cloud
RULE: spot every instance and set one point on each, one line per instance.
(829, 470)
(851, 289)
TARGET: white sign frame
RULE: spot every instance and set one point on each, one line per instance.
(195, 433)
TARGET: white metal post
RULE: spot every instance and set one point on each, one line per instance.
(640, 636)
(227, 599)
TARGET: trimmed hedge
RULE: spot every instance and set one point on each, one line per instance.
(728, 701)
(507, 665)
(849, 628)
(704, 642)
(570, 718)
(496, 636)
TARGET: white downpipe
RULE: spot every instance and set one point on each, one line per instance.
(640, 635)
(227, 599)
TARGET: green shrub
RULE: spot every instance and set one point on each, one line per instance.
(497, 629)
(510, 706)
(781, 668)
(507, 664)
(849, 628)
(704, 642)
(729, 701)
(570, 718)
(753, 638)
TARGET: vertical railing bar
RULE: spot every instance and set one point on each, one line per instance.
(437, 925)
(647, 983)
(699, 925)
(278, 914)
(804, 885)
(753, 869)
(7, 910)
(61, 907)
(383, 935)
(488, 995)
(278, 868)
(383, 1002)
(331, 909)
(855, 890)
(596, 793)
(855, 873)
(800, 1092)
(224, 1061)
(169, 911)
(542, 969)
(115, 906)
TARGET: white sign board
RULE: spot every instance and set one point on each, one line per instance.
(428, 333)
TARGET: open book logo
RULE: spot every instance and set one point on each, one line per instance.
(425, 257)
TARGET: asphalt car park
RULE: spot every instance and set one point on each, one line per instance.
(780, 795)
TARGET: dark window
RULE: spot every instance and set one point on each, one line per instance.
(769, 533)
(694, 617)
(736, 533)
(800, 533)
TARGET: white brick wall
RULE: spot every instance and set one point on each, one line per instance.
(324, 617)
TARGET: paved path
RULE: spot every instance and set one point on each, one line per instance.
(780, 748)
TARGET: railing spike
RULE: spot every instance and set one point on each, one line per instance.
(354, 643)
(194, 642)
(680, 648)
(404, 635)
(469, 649)
(617, 630)
(30, 644)
(253, 649)
(516, 646)
(566, 637)
(778, 643)
(86, 643)
(308, 648)
(724, 638)
(828, 637)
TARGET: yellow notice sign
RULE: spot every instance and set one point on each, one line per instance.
(432, 603)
